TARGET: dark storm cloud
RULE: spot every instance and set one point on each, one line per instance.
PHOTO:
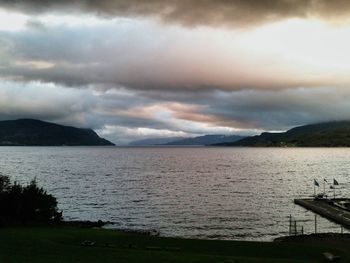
(194, 12)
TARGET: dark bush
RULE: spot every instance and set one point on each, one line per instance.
(26, 204)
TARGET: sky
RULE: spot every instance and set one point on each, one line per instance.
(162, 68)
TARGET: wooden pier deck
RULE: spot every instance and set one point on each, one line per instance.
(325, 208)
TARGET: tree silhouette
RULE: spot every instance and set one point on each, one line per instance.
(26, 204)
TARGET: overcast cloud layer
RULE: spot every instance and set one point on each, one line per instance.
(141, 69)
(195, 12)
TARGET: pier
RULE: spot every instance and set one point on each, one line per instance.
(327, 209)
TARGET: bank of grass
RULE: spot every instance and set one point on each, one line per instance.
(63, 244)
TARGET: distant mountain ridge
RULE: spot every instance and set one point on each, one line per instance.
(183, 141)
(31, 132)
(154, 141)
(207, 140)
(328, 134)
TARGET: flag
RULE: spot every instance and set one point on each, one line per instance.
(316, 183)
(325, 180)
(335, 182)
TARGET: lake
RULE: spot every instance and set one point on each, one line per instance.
(203, 192)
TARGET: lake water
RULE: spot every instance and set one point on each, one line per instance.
(221, 193)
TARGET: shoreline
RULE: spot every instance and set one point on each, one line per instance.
(101, 224)
(320, 237)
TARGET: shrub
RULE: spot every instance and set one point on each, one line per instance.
(26, 204)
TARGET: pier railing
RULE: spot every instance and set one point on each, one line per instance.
(295, 228)
(327, 209)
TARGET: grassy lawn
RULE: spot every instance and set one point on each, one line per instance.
(63, 244)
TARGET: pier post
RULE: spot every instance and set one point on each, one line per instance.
(290, 224)
(314, 189)
(342, 224)
(315, 224)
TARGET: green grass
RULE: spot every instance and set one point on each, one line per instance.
(43, 244)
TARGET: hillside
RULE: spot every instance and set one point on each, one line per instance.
(207, 140)
(30, 132)
(329, 134)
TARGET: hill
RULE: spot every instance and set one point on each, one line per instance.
(207, 140)
(30, 132)
(329, 134)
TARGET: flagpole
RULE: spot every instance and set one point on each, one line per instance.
(335, 182)
(314, 189)
(315, 184)
(324, 186)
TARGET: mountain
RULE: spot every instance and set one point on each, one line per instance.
(154, 141)
(207, 140)
(329, 134)
(30, 132)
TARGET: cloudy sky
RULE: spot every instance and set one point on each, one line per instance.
(133, 69)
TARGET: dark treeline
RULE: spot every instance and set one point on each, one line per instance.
(26, 204)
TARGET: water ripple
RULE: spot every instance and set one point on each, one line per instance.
(211, 193)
